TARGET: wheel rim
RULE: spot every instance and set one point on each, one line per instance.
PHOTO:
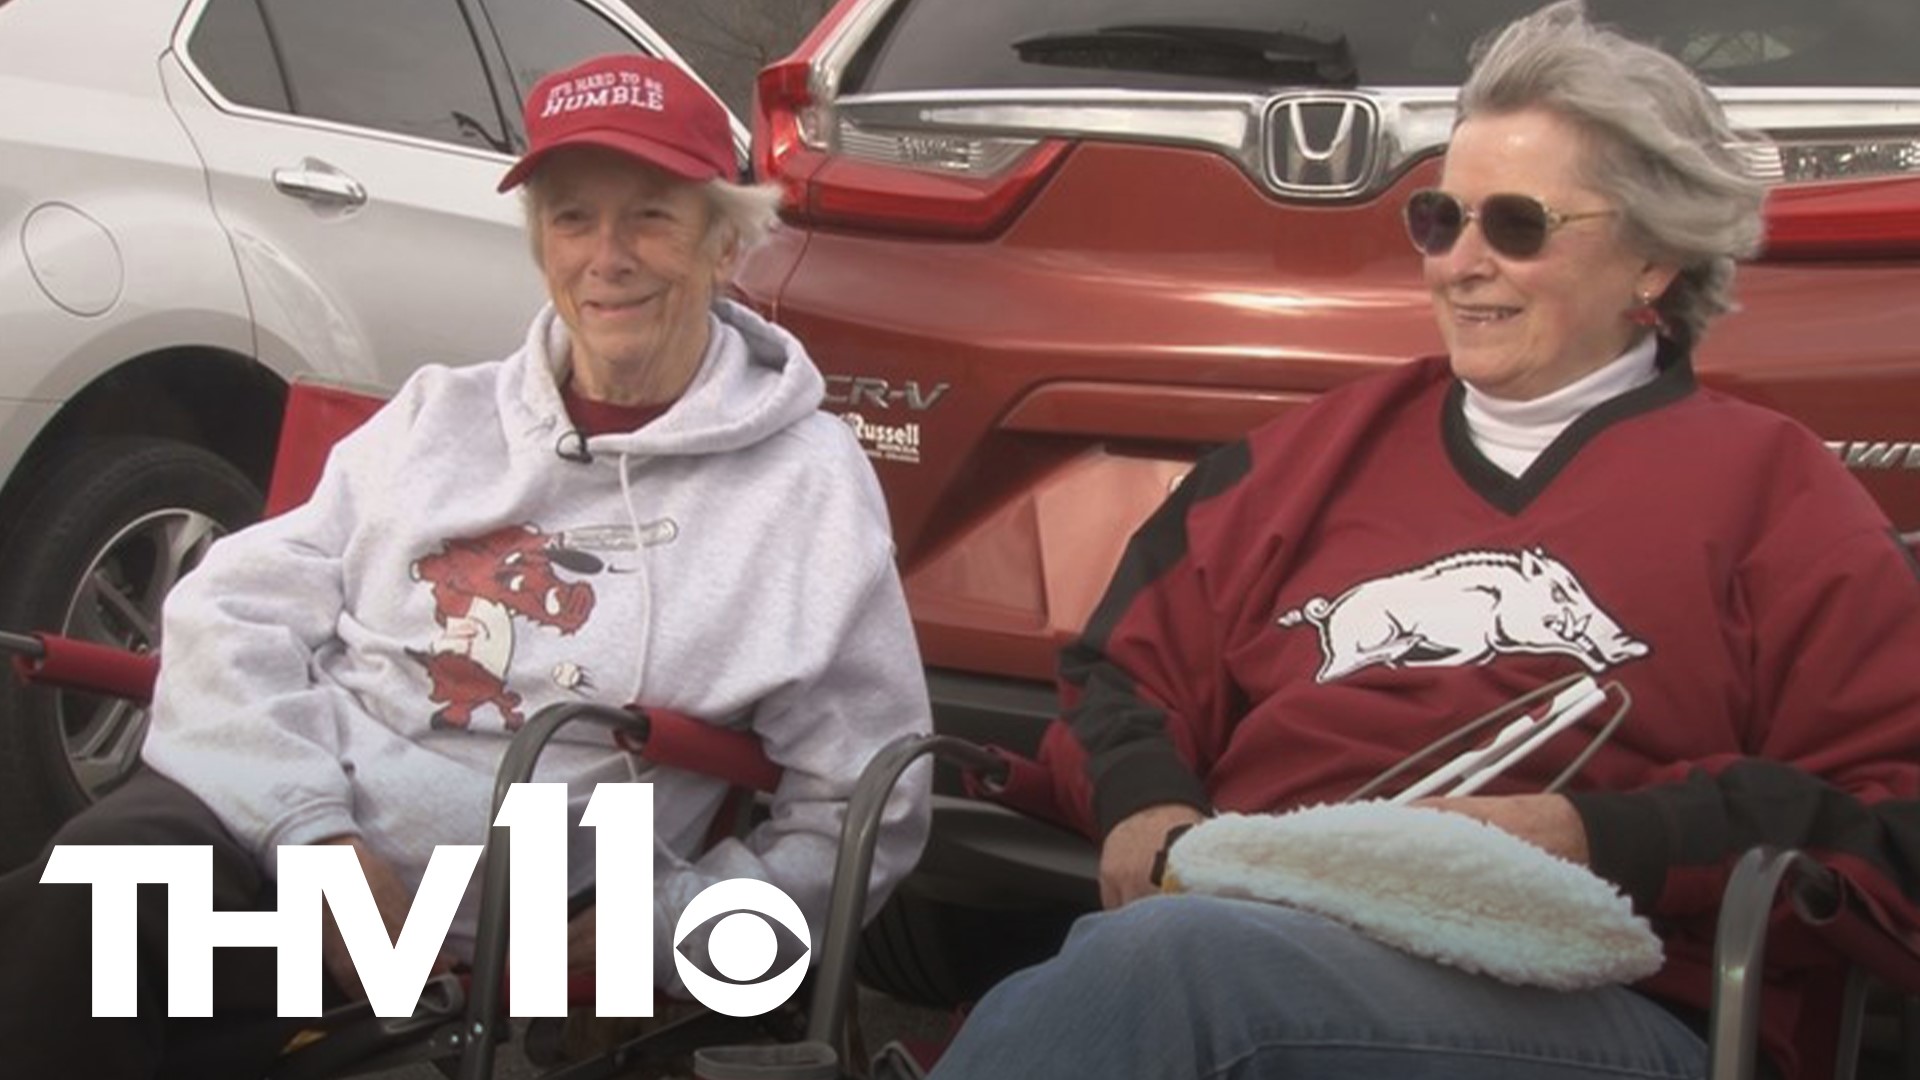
(117, 602)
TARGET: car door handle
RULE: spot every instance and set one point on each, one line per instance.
(317, 181)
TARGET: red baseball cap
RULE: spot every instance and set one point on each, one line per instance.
(637, 105)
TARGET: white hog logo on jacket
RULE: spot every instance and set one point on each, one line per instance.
(1465, 609)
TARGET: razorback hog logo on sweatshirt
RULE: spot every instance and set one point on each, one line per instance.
(1462, 609)
(482, 588)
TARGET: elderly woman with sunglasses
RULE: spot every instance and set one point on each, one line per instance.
(1554, 496)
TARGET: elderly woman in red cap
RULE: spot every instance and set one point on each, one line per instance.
(642, 505)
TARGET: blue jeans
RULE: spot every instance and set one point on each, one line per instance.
(1198, 988)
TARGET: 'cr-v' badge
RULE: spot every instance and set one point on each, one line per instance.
(1320, 144)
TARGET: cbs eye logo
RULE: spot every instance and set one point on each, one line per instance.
(754, 938)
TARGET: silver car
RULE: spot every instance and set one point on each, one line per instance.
(200, 201)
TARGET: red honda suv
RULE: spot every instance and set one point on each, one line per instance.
(1048, 251)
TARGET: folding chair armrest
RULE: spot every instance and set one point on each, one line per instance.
(1013, 781)
(490, 937)
(833, 988)
(632, 728)
(1822, 900)
(516, 765)
(858, 836)
(1733, 1050)
(69, 663)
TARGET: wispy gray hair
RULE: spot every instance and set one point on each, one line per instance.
(1660, 147)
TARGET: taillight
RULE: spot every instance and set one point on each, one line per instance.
(923, 183)
(787, 141)
(1861, 219)
(1844, 198)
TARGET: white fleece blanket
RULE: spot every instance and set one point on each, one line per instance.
(1443, 886)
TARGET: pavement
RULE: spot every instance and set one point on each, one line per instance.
(881, 1018)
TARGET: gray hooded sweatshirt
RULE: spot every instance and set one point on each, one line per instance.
(356, 666)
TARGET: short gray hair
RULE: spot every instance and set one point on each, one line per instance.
(1662, 149)
(743, 214)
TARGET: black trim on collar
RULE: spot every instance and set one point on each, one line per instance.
(1513, 494)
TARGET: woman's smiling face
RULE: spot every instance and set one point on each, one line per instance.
(632, 270)
(1520, 328)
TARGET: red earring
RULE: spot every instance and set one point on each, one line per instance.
(1644, 313)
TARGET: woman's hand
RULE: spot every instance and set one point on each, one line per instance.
(390, 898)
(1548, 822)
(1126, 858)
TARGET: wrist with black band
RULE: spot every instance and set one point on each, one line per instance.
(1159, 870)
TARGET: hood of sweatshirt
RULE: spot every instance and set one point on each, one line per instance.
(754, 380)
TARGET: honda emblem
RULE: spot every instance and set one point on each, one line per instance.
(1321, 145)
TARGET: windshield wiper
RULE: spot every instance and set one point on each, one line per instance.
(1301, 53)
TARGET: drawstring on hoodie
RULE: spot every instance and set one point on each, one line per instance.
(646, 590)
(755, 381)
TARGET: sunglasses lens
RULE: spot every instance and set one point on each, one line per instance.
(1514, 225)
(1434, 219)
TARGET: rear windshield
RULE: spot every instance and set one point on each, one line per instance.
(1243, 44)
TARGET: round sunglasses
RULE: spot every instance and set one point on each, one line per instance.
(1516, 226)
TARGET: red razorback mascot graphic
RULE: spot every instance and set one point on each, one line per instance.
(481, 586)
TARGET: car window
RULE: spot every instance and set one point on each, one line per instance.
(542, 36)
(231, 48)
(1235, 44)
(405, 66)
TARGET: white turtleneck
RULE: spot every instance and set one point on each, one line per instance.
(1511, 434)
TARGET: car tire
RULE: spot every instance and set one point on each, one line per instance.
(91, 556)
